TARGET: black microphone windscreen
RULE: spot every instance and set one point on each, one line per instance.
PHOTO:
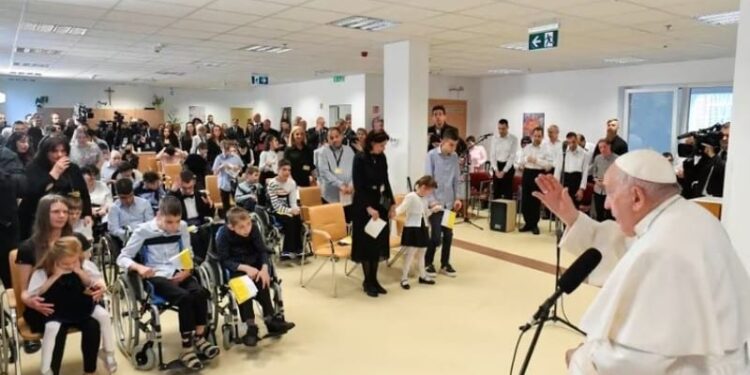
(580, 270)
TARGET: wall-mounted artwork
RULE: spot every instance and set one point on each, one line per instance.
(286, 115)
(197, 111)
(532, 121)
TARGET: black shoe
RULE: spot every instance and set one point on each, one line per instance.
(251, 337)
(405, 285)
(426, 281)
(448, 270)
(379, 288)
(535, 230)
(287, 256)
(369, 290)
(31, 347)
(278, 327)
(431, 270)
(524, 229)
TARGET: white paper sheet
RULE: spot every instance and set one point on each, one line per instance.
(374, 227)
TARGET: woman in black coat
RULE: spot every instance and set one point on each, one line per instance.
(301, 157)
(52, 172)
(373, 198)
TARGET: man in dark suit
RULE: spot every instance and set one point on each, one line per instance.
(196, 207)
(235, 132)
(439, 124)
(316, 136)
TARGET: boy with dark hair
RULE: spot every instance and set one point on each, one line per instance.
(283, 194)
(161, 240)
(150, 189)
(241, 250)
(442, 166)
(127, 211)
(246, 195)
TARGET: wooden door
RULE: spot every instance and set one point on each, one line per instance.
(456, 110)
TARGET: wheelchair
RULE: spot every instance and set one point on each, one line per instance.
(136, 312)
(273, 233)
(105, 254)
(8, 336)
(215, 278)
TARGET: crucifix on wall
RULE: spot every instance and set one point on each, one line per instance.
(109, 92)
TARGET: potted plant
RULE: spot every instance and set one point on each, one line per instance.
(158, 101)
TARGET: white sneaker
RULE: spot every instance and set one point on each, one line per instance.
(110, 363)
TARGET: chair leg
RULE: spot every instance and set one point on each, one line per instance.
(333, 276)
(395, 257)
(348, 271)
(322, 264)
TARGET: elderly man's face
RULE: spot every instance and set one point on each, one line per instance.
(627, 203)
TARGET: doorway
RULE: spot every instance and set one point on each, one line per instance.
(241, 113)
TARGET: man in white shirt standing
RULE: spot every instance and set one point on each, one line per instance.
(572, 168)
(554, 144)
(672, 302)
(536, 160)
(502, 155)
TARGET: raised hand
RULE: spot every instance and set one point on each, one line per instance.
(556, 198)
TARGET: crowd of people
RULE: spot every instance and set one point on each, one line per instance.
(75, 183)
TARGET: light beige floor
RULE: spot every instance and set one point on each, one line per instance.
(466, 325)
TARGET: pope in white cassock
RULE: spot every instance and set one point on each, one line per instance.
(675, 298)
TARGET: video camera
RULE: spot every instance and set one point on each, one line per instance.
(82, 113)
(711, 135)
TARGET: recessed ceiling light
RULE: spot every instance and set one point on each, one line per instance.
(265, 48)
(505, 71)
(170, 73)
(720, 19)
(27, 74)
(364, 23)
(30, 65)
(624, 60)
(40, 51)
(57, 29)
(516, 46)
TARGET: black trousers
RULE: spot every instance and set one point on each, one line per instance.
(190, 298)
(602, 214)
(199, 241)
(225, 201)
(438, 236)
(90, 338)
(263, 297)
(530, 206)
(292, 226)
(572, 181)
(503, 187)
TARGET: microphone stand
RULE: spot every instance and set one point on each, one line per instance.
(532, 346)
(466, 171)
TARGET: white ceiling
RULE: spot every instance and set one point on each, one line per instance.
(464, 35)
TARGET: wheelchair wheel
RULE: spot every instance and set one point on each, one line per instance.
(106, 260)
(208, 280)
(227, 336)
(7, 351)
(144, 358)
(125, 318)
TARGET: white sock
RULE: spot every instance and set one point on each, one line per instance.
(409, 253)
(420, 254)
(105, 327)
(51, 329)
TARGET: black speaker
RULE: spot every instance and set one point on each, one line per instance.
(503, 215)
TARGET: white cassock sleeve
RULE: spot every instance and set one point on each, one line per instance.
(605, 358)
(606, 237)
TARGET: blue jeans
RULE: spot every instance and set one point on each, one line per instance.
(439, 235)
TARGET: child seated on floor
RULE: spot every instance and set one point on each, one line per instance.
(73, 286)
(246, 195)
(241, 250)
(416, 235)
(160, 240)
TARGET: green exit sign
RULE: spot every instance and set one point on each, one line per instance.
(339, 79)
(544, 40)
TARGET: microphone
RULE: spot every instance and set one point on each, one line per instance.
(569, 282)
(486, 135)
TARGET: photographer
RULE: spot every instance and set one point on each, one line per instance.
(703, 170)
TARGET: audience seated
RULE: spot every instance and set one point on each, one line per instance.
(127, 212)
(283, 194)
(150, 189)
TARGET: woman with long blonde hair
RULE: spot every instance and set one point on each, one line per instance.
(301, 156)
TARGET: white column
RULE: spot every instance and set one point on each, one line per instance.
(737, 183)
(406, 84)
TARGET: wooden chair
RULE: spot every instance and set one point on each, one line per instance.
(147, 162)
(212, 187)
(309, 197)
(171, 173)
(328, 227)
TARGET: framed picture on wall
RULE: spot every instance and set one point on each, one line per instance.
(532, 121)
(197, 111)
(286, 115)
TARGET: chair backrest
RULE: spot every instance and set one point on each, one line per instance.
(212, 186)
(172, 171)
(147, 161)
(15, 279)
(310, 196)
(328, 218)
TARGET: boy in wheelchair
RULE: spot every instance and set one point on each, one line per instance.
(241, 250)
(155, 240)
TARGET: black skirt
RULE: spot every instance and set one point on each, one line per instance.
(415, 236)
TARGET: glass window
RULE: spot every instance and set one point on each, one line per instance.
(650, 120)
(709, 105)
